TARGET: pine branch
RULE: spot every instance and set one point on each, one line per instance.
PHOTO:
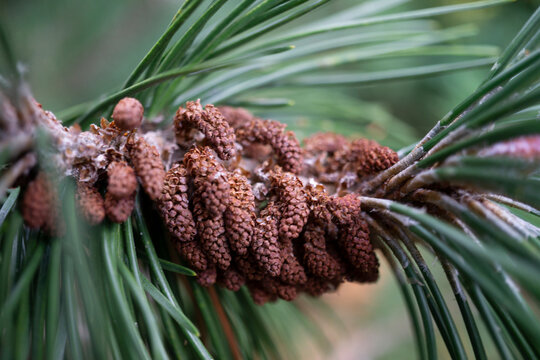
(71, 290)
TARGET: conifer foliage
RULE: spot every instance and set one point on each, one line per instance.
(160, 219)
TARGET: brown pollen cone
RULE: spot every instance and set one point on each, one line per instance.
(257, 151)
(269, 289)
(236, 117)
(317, 259)
(219, 134)
(121, 179)
(90, 203)
(284, 291)
(240, 214)
(324, 143)
(265, 246)
(40, 204)
(368, 157)
(353, 237)
(259, 293)
(148, 166)
(211, 233)
(317, 286)
(119, 210)
(187, 119)
(231, 279)
(320, 151)
(192, 252)
(207, 277)
(292, 204)
(128, 114)
(346, 210)
(248, 267)
(319, 202)
(211, 123)
(287, 292)
(284, 143)
(365, 276)
(210, 180)
(174, 204)
(359, 252)
(292, 272)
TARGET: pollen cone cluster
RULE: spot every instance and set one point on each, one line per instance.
(276, 217)
(107, 161)
(243, 202)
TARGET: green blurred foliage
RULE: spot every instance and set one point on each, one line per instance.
(76, 50)
(422, 102)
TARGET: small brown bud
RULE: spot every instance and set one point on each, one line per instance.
(353, 237)
(128, 113)
(90, 202)
(121, 179)
(214, 193)
(287, 292)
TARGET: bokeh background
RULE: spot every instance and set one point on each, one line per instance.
(75, 51)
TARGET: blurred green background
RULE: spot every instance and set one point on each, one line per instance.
(75, 51)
